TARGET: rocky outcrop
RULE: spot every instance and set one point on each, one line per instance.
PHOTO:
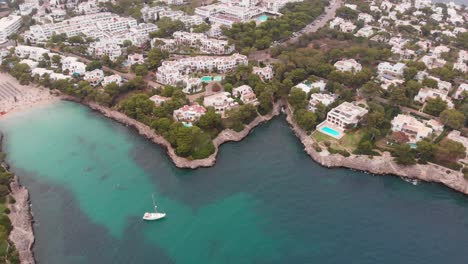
(181, 162)
(20, 215)
(380, 164)
(22, 234)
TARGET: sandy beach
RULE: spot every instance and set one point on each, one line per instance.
(16, 97)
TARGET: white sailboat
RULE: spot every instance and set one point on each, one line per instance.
(153, 216)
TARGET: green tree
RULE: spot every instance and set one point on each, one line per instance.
(435, 106)
(409, 73)
(297, 98)
(404, 155)
(449, 150)
(370, 89)
(425, 149)
(141, 70)
(305, 119)
(155, 57)
(452, 118)
(94, 65)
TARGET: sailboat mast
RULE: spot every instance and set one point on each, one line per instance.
(154, 204)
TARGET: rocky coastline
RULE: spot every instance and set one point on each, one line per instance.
(21, 219)
(379, 165)
(225, 136)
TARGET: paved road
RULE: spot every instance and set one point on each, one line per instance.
(322, 20)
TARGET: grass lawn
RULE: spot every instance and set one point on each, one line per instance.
(349, 142)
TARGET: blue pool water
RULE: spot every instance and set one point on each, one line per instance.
(262, 18)
(218, 78)
(330, 131)
(206, 79)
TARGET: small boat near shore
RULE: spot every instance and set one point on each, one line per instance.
(152, 216)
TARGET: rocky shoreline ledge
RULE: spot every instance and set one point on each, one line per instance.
(225, 136)
(22, 234)
(381, 165)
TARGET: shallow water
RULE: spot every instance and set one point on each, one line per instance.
(265, 201)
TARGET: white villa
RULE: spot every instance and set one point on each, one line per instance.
(189, 113)
(221, 102)
(461, 90)
(115, 78)
(195, 40)
(94, 77)
(135, 59)
(8, 26)
(391, 71)
(409, 125)
(346, 115)
(428, 93)
(246, 94)
(316, 98)
(73, 66)
(266, 73)
(348, 65)
(158, 100)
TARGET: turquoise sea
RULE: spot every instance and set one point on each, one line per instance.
(265, 201)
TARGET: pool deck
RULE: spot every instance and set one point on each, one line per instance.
(332, 126)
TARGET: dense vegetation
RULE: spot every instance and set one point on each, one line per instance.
(8, 253)
(249, 36)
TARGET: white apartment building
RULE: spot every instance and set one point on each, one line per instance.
(221, 102)
(8, 26)
(32, 64)
(246, 94)
(175, 71)
(412, 128)
(41, 72)
(265, 73)
(173, 2)
(391, 71)
(276, 5)
(33, 53)
(195, 40)
(346, 115)
(316, 98)
(350, 65)
(189, 113)
(87, 8)
(94, 77)
(433, 61)
(153, 13)
(428, 93)
(105, 47)
(115, 78)
(73, 66)
(93, 25)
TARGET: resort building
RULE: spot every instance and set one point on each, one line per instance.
(265, 73)
(105, 48)
(346, 115)
(189, 113)
(411, 127)
(115, 78)
(433, 61)
(350, 65)
(316, 98)
(73, 66)
(221, 102)
(194, 40)
(391, 71)
(365, 32)
(246, 94)
(94, 77)
(8, 26)
(33, 53)
(176, 72)
(157, 12)
(159, 100)
(41, 72)
(32, 64)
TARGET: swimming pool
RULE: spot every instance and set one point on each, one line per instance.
(262, 18)
(218, 78)
(330, 131)
(206, 79)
